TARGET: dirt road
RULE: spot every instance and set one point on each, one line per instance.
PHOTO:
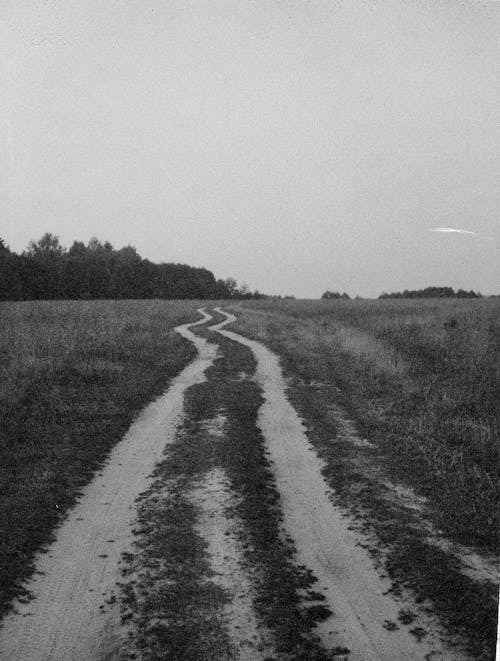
(76, 611)
(325, 543)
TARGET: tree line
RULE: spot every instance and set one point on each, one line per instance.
(428, 292)
(334, 294)
(47, 270)
(433, 292)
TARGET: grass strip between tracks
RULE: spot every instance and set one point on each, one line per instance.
(175, 607)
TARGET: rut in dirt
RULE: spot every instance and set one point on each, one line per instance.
(209, 578)
(238, 552)
(363, 610)
(74, 615)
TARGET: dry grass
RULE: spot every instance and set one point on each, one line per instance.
(42, 337)
(420, 380)
(422, 377)
(73, 375)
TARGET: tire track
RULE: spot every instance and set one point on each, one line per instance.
(188, 590)
(363, 611)
(75, 615)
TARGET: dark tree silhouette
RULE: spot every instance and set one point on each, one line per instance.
(334, 294)
(46, 270)
(432, 292)
(10, 274)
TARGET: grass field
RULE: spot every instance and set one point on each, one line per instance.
(73, 375)
(405, 391)
(422, 377)
(418, 379)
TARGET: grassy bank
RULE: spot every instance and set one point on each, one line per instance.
(421, 378)
(73, 376)
(408, 376)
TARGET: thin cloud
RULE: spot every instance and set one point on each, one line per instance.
(451, 229)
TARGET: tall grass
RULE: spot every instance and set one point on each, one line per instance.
(72, 377)
(420, 376)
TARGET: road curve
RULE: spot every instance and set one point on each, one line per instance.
(346, 576)
(75, 614)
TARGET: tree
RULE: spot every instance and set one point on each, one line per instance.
(432, 292)
(47, 267)
(96, 270)
(46, 247)
(334, 294)
(221, 290)
(231, 287)
(10, 282)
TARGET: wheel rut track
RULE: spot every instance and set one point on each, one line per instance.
(75, 614)
(324, 542)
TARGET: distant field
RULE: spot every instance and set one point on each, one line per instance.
(72, 377)
(422, 377)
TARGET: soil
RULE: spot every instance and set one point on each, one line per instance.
(74, 613)
(212, 531)
(364, 612)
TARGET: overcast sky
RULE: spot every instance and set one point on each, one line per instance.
(295, 145)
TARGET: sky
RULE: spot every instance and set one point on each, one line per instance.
(296, 146)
